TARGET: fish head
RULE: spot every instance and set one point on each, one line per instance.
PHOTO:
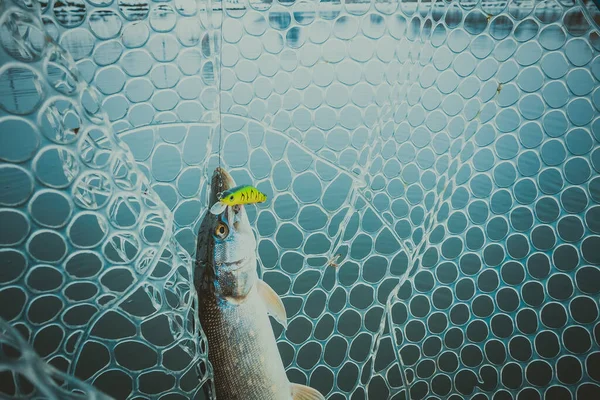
(233, 240)
(226, 253)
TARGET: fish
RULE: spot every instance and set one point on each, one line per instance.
(234, 307)
(244, 194)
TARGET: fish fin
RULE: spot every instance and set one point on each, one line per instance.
(273, 302)
(218, 208)
(301, 392)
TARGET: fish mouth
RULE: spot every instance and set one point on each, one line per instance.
(237, 263)
(221, 181)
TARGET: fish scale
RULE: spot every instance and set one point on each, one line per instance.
(243, 350)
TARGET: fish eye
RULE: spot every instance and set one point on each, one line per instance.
(221, 231)
(231, 197)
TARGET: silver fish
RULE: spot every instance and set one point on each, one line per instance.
(233, 306)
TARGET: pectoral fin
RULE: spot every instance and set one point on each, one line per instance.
(301, 392)
(218, 208)
(273, 302)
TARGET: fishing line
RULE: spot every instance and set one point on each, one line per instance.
(221, 81)
(221, 91)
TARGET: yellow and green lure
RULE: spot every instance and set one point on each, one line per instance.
(244, 194)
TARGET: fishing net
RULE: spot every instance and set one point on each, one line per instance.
(443, 153)
(91, 275)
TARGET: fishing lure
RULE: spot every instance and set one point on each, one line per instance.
(244, 194)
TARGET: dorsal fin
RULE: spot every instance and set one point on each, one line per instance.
(301, 392)
(273, 302)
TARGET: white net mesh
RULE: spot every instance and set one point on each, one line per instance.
(447, 151)
(91, 276)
